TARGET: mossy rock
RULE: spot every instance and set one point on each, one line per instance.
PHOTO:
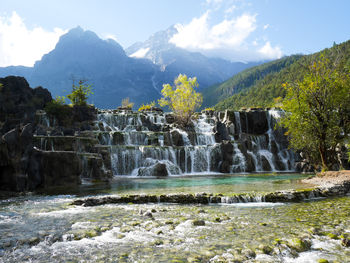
(332, 236)
(198, 223)
(300, 245)
(266, 249)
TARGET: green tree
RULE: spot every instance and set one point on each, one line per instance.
(80, 93)
(318, 109)
(182, 99)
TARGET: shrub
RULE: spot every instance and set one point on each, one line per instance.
(147, 106)
(127, 104)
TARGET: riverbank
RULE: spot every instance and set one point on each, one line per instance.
(326, 179)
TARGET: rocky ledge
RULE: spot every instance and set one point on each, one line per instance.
(333, 190)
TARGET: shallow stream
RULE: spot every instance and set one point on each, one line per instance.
(46, 228)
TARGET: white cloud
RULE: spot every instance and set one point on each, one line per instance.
(209, 2)
(266, 26)
(231, 38)
(199, 35)
(270, 52)
(22, 46)
(230, 9)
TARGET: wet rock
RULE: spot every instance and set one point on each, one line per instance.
(148, 214)
(248, 253)
(68, 132)
(152, 139)
(170, 118)
(265, 164)
(249, 165)
(54, 173)
(158, 169)
(300, 245)
(265, 249)
(345, 242)
(118, 138)
(58, 131)
(41, 131)
(198, 223)
(176, 138)
(221, 132)
(227, 153)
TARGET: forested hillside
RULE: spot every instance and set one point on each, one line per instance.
(245, 80)
(260, 85)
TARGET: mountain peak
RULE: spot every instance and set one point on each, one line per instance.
(78, 33)
(82, 46)
(156, 43)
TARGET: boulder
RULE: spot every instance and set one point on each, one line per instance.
(176, 138)
(170, 118)
(118, 138)
(265, 163)
(158, 169)
(250, 165)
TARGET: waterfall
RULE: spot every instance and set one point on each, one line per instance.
(239, 161)
(142, 141)
(238, 127)
(204, 130)
(283, 155)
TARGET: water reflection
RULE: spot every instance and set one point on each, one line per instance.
(213, 183)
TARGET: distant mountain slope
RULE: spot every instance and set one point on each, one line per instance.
(258, 86)
(173, 60)
(82, 54)
(114, 75)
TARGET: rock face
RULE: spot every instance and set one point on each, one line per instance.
(18, 102)
(30, 156)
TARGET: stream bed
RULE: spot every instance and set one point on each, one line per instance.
(47, 228)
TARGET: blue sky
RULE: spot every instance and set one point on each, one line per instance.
(233, 29)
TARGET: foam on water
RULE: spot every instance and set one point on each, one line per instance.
(252, 204)
(64, 212)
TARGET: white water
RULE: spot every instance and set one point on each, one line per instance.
(134, 137)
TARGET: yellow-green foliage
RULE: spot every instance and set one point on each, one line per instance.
(182, 99)
(209, 109)
(147, 106)
(127, 104)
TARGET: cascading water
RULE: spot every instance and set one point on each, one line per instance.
(146, 143)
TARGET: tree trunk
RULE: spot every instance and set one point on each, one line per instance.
(322, 150)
